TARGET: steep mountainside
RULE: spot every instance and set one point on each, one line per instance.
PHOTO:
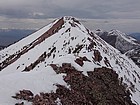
(119, 40)
(65, 63)
(124, 43)
(134, 55)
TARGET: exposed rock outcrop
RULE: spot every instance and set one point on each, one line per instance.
(80, 60)
(100, 87)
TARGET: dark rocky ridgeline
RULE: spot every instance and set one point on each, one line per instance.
(80, 60)
(12, 58)
(100, 87)
(39, 60)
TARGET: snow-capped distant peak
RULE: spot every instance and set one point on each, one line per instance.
(119, 40)
(122, 35)
(116, 32)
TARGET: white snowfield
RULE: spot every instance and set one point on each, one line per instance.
(42, 78)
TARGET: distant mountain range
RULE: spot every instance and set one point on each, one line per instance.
(136, 36)
(9, 36)
(123, 42)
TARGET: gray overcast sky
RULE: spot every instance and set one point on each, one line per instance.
(42, 9)
(79, 8)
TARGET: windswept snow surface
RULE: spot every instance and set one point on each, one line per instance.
(42, 78)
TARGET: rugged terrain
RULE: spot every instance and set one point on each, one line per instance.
(65, 63)
(134, 54)
(123, 42)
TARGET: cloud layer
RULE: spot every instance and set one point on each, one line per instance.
(102, 9)
(33, 13)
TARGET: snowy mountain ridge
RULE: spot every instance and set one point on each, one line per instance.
(124, 43)
(119, 40)
(124, 36)
(29, 61)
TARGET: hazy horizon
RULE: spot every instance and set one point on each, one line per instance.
(124, 25)
(106, 14)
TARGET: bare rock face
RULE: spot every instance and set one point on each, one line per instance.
(44, 99)
(100, 87)
(107, 87)
(80, 60)
(97, 56)
(38, 99)
(24, 94)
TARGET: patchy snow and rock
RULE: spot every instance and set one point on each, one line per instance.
(119, 40)
(28, 63)
(124, 43)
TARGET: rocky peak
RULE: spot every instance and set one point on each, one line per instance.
(57, 53)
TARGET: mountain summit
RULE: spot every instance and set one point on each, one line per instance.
(65, 63)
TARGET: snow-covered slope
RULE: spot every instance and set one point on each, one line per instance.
(134, 54)
(124, 43)
(26, 64)
(119, 40)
